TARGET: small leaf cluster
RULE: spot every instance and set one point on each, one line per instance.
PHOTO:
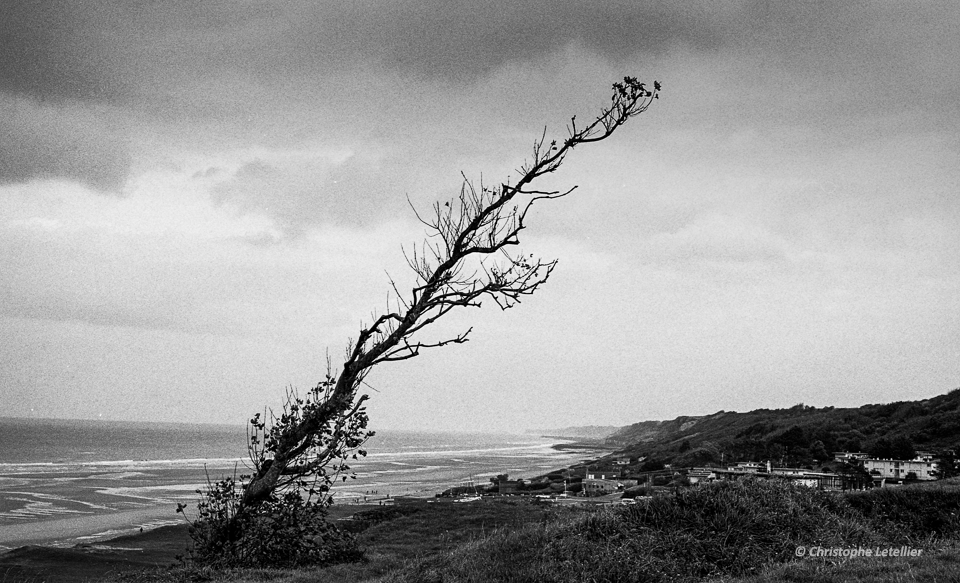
(322, 455)
(631, 87)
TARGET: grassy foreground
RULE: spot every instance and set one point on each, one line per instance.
(742, 531)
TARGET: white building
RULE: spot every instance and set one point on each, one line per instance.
(923, 467)
(748, 467)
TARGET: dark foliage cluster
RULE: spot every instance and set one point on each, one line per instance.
(322, 455)
(287, 528)
(290, 531)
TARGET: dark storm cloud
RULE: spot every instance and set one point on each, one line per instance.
(117, 51)
(267, 73)
(45, 53)
(110, 50)
(461, 41)
(59, 142)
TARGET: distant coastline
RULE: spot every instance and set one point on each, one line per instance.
(579, 445)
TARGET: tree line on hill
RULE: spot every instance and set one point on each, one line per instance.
(801, 435)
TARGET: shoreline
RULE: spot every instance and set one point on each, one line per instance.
(582, 446)
(61, 504)
(86, 529)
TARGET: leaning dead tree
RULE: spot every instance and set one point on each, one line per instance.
(469, 255)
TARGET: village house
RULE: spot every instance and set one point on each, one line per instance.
(603, 474)
(698, 475)
(850, 457)
(597, 487)
(803, 476)
(788, 471)
(922, 467)
(747, 467)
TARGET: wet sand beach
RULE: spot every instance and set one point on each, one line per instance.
(68, 531)
(157, 548)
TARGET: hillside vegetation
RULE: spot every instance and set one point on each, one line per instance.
(798, 435)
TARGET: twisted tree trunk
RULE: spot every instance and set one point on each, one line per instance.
(452, 270)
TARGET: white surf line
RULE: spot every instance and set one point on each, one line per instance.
(23, 467)
(458, 452)
(34, 509)
(45, 496)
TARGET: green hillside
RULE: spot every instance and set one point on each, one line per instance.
(800, 435)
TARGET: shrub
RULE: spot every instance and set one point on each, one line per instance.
(280, 532)
(723, 528)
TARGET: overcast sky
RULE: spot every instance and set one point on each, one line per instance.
(199, 200)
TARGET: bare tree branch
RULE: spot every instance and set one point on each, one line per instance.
(464, 258)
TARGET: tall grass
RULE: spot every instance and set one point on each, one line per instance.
(917, 511)
(941, 566)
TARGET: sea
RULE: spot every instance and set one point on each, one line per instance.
(66, 482)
